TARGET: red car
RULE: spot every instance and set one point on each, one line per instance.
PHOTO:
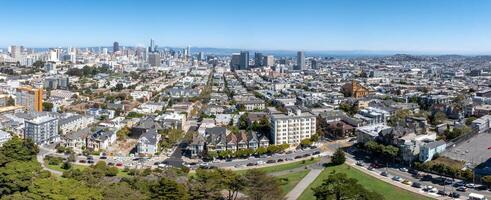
(119, 164)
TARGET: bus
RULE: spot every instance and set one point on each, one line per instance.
(474, 196)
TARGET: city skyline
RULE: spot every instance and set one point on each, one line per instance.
(416, 26)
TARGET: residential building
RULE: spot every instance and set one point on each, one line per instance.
(428, 150)
(293, 127)
(30, 98)
(42, 129)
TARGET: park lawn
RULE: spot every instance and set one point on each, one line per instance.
(121, 173)
(387, 190)
(284, 167)
(289, 181)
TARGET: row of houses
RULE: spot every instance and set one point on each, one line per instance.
(220, 139)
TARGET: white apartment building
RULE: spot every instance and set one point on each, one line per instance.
(292, 128)
(42, 129)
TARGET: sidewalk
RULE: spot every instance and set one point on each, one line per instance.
(303, 184)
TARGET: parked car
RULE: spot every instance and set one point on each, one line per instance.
(251, 164)
(103, 157)
(316, 153)
(90, 161)
(384, 173)
(403, 169)
(413, 171)
(454, 195)
(271, 161)
(82, 161)
(459, 184)
(470, 185)
(297, 157)
(359, 163)
(417, 185)
(397, 178)
(407, 182)
(442, 192)
(119, 164)
(370, 168)
(461, 189)
(427, 178)
(280, 160)
(481, 187)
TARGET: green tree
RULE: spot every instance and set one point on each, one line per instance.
(167, 189)
(52, 188)
(243, 121)
(47, 106)
(122, 190)
(339, 187)
(261, 150)
(338, 157)
(486, 180)
(260, 186)
(16, 176)
(233, 183)
(306, 143)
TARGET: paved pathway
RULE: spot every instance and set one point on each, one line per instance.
(303, 184)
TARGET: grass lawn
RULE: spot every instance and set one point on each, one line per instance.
(284, 167)
(289, 181)
(387, 190)
(82, 167)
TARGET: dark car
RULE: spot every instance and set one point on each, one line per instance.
(251, 164)
(271, 161)
(413, 171)
(110, 164)
(454, 195)
(306, 155)
(416, 185)
(228, 160)
(297, 157)
(90, 158)
(481, 187)
(427, 178)
(442, 192)
(280, 160)
(82, 161)
(103, 157)
(316, 153)
(90, 161)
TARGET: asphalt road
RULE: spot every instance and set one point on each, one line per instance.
(243, 162)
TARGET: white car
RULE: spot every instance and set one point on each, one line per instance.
(403, 169)
(261, 162)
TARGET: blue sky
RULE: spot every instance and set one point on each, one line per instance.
(378, 25)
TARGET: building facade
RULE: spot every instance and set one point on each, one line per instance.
(42, 129)
(292, 128)
(30, 98)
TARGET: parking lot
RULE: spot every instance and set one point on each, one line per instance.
(473, 151)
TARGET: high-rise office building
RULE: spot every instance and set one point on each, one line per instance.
(244, 60)
(154, 59)
(153, 47)
(258, 59)
(115, 47)
(300, 61)
(30, 98)
(313, 64)
(268, 61)
(201, 56)
(235, 61)
(15, 51)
